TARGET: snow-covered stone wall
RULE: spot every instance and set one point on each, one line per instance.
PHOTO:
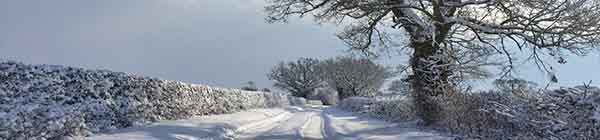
(39, 102)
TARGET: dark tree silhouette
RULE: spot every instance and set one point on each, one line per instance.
(300, 78)
(250, 86)
(354, 77)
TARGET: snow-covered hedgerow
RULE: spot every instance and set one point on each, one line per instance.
(392, 108)
(562, 114)
(39, 102)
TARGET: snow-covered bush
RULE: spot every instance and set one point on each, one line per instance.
(328, 96)
(356, 104)
(478, 113)
(39, 102)
(565, 114)
(562, 114)
(296, 101)
(393, 108)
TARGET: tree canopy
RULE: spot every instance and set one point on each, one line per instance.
(450, 39)
(553, 26)
(354, 76)
(300, 77)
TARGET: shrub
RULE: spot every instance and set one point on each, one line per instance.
(356, 104)
(566, 113)
(265, 90)
(562, 114)
(393, 108)
(250, 86)
(297, 101)
(327, 96)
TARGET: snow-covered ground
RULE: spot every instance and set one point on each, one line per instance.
(310, 122)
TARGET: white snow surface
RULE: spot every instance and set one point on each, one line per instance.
(309, 122)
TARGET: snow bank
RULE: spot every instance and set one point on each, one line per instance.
(392, 108)
(39, 102)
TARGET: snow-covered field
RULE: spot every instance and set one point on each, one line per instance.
(310, 122)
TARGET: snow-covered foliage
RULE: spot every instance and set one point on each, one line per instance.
(393, 108)
(352, 76)
(296, 101)
(562, 114)
(566, 113)
(327, 95)
(39, 102)
(449, 40)
(298, 77)
(356, 104)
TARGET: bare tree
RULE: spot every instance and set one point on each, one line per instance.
(250, 86)
(515, 85)
(354, 77)
(265, 90)
(300, 78)
(437, 29)
(399, 87)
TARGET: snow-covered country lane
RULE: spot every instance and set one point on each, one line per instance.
(293, 123)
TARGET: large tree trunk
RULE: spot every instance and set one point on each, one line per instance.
(428, 80)
(341, 93)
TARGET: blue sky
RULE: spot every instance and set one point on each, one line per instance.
(215, 42)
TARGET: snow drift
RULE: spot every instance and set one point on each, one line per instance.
(39, 102)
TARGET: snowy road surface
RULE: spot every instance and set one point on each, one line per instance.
(294, 123)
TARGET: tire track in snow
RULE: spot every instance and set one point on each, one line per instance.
(313, 129)
(288, 129)
(310, 123)
(250, 130)
(304, 124)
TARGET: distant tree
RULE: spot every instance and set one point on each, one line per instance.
(354, 77)
(438, 32)
(514, 85)
(265, 90)
(250, 86)
(400, 87)
(300, 77)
